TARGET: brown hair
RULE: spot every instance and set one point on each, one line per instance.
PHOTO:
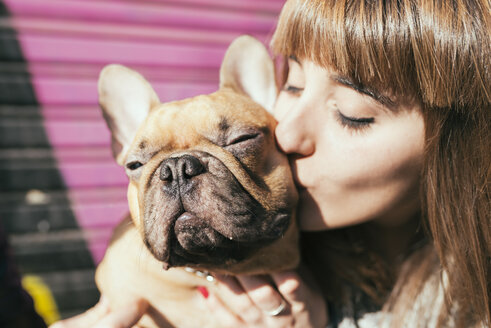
(437, 52)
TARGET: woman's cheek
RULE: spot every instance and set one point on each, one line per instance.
(385, 156)
(347, 157)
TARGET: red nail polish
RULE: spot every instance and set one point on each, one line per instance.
(203, 291)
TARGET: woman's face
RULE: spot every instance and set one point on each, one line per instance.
(355, 155)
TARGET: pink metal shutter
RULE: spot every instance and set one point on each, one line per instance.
(178, 45)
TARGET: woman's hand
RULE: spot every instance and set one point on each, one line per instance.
(101, 316)
(280, 300)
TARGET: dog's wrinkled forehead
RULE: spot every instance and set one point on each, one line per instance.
(214, 118)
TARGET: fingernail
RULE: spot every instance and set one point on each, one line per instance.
(203, 291)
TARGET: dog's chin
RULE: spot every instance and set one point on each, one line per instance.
(221, 258)
(192, 241)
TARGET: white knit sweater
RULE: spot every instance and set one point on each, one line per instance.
(423, 314)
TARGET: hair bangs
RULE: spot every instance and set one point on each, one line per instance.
(391, 46)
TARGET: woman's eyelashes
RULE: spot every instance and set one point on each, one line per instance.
(350, 122)
(292, 89)
(354, 123)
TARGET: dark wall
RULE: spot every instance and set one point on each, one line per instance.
(35, 211)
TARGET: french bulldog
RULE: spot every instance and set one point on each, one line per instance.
(208, 189)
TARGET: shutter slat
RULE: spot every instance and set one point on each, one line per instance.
(120, 31)
(162, 14)
(63, 49)
(53, 91)
(190, 74)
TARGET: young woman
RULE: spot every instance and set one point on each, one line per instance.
(385, 114)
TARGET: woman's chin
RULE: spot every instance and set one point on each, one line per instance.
(309, 213)
(317, 216)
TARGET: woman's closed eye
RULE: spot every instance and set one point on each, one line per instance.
(355, 123)
(292, 89)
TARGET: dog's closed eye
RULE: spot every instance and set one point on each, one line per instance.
(243, 138)
(245, 143)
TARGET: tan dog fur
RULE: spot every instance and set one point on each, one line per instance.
(146, 131)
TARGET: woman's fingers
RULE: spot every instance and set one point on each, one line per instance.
(252, 301)
(306, 303)
(87, 319)
(263, 294)
(290, 286)
(124, 317)
(236, 299)
(281, 300)
(100, 316)
(222, 313)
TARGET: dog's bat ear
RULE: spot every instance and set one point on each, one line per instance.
(247, 68)
(125, 98)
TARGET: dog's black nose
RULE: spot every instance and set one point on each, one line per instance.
(182, 168)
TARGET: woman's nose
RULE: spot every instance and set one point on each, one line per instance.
(294, 135)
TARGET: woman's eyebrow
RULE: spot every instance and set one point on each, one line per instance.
(384, 100)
